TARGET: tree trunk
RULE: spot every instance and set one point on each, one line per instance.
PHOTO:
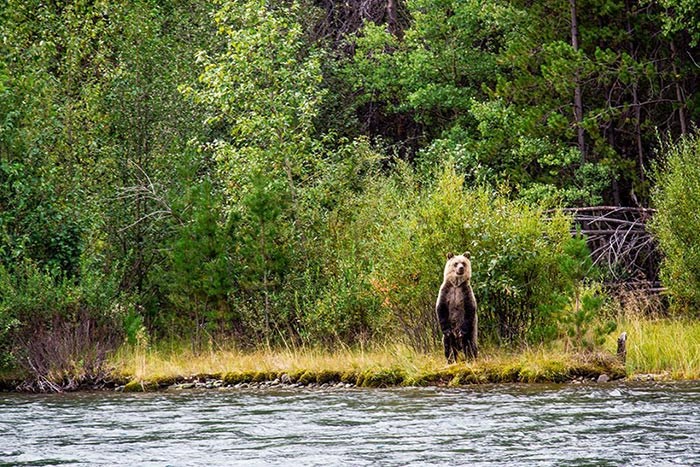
(638, 131)
(578, 99)
(615, 184)
(622, 348)
(392, 18)
(266, 284)
(679, 91)
(636, 105)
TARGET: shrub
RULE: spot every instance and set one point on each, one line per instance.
(677, 224)
(198, 272)
(61, 330)
(342, 309)
(522, 257)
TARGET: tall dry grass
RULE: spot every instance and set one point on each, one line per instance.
(656, 342)
(658, 345)
(535, 364)
(179, 360)
(661, 345)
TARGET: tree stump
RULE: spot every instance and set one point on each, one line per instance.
(622, 347)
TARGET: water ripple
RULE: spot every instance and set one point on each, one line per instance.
(490, 425)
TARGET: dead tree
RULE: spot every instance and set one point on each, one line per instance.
(620, 243)
(621, 246)
(341, 19)
(622, 348)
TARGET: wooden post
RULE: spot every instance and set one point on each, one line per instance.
(622, 347)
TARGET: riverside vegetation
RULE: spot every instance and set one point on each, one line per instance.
(273, 186)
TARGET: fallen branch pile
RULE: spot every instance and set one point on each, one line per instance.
(621, 244)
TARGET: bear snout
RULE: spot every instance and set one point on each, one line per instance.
(460, 269)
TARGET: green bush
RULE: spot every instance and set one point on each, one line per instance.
(676, 223)
(343, 310)
(198, 271)
(522, 257)
(59, 330)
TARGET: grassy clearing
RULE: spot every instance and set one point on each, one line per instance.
(668, 346)
(393, 365)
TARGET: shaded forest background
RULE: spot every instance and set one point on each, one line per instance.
(293, 172)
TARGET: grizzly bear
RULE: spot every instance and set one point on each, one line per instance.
(456, 308)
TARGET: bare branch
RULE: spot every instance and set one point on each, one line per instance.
(619, 241)
(146, 189)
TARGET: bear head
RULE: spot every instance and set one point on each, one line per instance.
(458, 269)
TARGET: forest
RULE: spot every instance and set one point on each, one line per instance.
(246, 173)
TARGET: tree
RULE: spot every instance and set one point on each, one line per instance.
(676, 224)
(94, 129)
(264, 89)
(414, 87)
(148, 127)
(554, 103)
(201, 267)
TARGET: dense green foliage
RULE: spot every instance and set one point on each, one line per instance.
(493, 85)
(295, 172)
(521, 257)
(677, 223)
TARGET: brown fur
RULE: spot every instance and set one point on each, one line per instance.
(456, 308)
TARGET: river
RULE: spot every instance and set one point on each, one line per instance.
(610, 424)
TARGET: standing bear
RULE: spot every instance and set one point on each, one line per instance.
(456, 308)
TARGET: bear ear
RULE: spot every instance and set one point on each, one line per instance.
(467, 255)
(450, 255)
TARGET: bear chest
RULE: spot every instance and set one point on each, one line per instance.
(455, 305)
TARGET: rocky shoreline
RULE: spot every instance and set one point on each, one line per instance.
(208, 384)
(276, 383)
(285, 381)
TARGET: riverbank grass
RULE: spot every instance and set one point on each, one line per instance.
(656, 349)
(383, 366)
(665, 348)
(669, 347)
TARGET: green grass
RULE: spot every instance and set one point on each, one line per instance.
(661, 346)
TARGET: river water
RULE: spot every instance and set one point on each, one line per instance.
(611, 424)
